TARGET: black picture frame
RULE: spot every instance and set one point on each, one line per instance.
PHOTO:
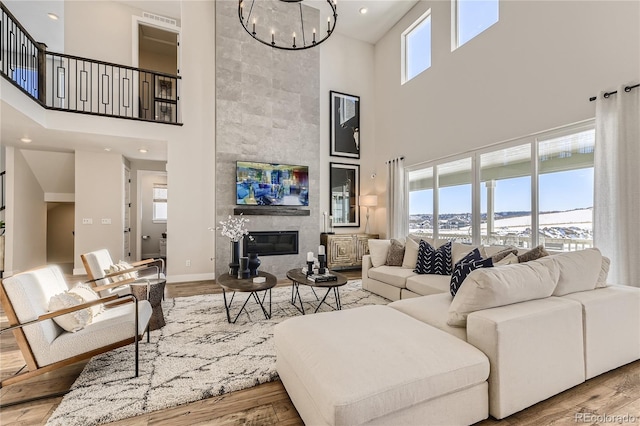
(344, 189)
(344, 126)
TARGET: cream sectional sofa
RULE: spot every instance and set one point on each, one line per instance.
(543, 327)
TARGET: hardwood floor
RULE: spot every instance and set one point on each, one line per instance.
(612, 394)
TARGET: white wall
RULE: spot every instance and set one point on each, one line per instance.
(347, 65)
(26, 216)
(99, 30)
(191, 165)
(534, 70)
(99, 195)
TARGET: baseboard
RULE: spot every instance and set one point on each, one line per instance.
(79, 271)
(190, 277)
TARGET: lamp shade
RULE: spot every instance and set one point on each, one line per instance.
(368, 200)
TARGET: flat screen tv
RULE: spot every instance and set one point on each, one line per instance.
(268, 184)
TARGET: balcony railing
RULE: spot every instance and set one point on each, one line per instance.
(87, 86)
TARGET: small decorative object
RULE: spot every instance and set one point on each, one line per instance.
(322, 260)
(243, 270)
(234, 228)
(259, 280)
(235, 258)
(254, 264)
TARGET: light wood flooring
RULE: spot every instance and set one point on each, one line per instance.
(614, 393)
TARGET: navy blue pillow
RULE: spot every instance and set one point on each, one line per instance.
(472, 255)
(433, 261)
(463, 269)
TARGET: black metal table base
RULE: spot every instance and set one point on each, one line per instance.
(255, 296)
(295, 297)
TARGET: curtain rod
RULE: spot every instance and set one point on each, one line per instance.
(395, 159)
(607, 94)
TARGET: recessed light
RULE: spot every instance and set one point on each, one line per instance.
(363, 10)
(143, 150)
(108, 149)
(52, 16)
(25, 140)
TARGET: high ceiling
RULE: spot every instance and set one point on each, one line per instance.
(34, 15)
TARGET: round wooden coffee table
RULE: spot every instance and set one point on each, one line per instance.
(235, 285)
(298, 278)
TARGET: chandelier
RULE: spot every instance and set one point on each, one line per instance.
(287, 24)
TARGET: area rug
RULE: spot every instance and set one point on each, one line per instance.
(195, 356)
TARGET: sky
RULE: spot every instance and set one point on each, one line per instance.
(559, 191)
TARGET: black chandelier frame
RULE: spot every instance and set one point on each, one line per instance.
(252, 32)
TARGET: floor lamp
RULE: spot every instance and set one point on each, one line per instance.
(367, 201)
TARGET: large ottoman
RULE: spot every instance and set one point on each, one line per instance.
(376, 365)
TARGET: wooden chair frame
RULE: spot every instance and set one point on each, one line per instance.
(31, 363)
(136, 267)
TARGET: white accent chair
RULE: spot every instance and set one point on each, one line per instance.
(45, 345)
(96, 263)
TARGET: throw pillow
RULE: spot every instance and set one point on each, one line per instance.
(378, 250)
(459, 251)
(410, 254)
(504, 253)
(124, 265)
(76, 320)
(533, 254)
(487, 288)
(509, 259)
(579, 270)
(471, 256)
(433, 261)
(464, 268)
(395, 255)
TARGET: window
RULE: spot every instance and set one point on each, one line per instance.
(421, 202)
(565, 185)
(472, 17)
(530, 191)
(159, 203)
(505, 196)
(454, 200)
(416, 47)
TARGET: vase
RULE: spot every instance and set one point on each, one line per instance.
(235, 258)
(243, 269)
(254, 264)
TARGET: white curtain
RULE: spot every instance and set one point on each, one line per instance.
(397, 203)
(617, 184)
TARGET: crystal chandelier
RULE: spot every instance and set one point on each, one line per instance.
(288, 24)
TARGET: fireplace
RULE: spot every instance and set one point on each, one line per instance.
(272, 243)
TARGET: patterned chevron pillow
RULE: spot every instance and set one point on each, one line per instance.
(433, 261)
(471, 256)
(462, 269)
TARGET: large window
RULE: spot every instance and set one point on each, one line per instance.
(416, 47)
(535, 190)
(473, 17)
(505, 196)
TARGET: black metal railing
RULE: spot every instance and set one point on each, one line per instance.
(88, 86)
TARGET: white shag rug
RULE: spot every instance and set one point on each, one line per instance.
(195, 356)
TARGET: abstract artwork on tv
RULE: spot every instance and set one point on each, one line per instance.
(268, 184)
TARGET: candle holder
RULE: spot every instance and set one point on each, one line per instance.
(309, 268)
(323, 264)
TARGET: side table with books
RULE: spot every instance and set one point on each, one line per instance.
(332, 281)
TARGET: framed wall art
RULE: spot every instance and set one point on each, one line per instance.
(344, 125)
(344, 180)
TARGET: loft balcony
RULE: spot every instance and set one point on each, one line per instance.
(69, 83)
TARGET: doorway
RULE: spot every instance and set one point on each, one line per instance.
(157, 50)
(60, 235)
(152, 214)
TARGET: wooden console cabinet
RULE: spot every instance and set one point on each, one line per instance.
(345, 251)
